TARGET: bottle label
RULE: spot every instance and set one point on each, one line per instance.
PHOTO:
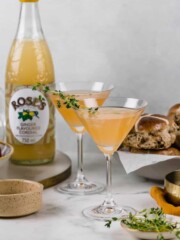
(28, 115)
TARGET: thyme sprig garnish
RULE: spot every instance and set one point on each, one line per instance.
(149, 220)
(70, 101)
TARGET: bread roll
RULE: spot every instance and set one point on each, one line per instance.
(174, 113)
(152, 131)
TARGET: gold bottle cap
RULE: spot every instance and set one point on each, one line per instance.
(28, 0)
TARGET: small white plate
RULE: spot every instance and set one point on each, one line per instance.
(151, 235)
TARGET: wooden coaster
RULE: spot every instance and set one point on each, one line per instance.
(49, 174)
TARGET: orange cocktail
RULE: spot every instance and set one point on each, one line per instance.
(88, 95)
(108, 126)
(86, 99)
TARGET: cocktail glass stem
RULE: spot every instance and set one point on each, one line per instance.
(108, 208)
(80, 175)
(81, 185)
(109, 202)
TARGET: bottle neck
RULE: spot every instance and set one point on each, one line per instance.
(29, 26)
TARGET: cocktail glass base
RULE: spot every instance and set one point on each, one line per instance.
(80, 188)
(103, 213)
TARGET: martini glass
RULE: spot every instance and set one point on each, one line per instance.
(108, 126)
(81, 90)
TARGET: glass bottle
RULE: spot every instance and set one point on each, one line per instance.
(29, 119)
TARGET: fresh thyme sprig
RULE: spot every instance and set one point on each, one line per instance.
(68, 100)
(147, 220)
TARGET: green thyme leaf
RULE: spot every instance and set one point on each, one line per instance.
(58, 104)
(178, 234)
(109, 222)
(41, 98)
(34, 88)
(46, 89)
(160, 237)
(92, 110)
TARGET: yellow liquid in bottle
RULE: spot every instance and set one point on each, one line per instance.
(30, 62)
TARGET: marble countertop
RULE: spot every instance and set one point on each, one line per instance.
(60, 217)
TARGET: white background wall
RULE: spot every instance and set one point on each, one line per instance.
(135, 44)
